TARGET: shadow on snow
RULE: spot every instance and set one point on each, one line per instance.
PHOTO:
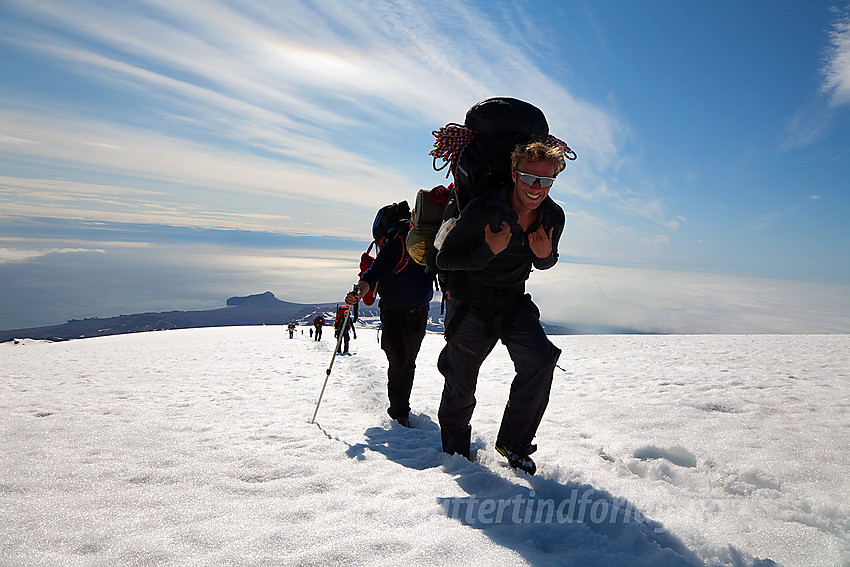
(546, 522)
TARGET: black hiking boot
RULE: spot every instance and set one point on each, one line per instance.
(404, 421)
(523, 463)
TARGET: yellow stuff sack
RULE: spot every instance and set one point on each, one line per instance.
(420, 238)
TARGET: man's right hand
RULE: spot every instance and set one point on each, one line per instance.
(498, 241)
(362, 290)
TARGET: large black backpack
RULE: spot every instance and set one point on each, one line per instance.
(500, 124)
(478, 152)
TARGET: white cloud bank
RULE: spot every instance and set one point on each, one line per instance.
(607, 298)
(9, 255)
(589, 298)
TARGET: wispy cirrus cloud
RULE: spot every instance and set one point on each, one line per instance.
(194, 174)
(267, 109)
(306, 70)
(837, 66)
(814, 120)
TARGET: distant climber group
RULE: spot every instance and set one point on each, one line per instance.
(340, 326)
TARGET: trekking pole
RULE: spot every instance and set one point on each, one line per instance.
(330, 366)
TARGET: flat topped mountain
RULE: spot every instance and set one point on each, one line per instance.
(259, 309)
(258, 301)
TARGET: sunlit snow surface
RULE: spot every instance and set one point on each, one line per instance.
(194, 447)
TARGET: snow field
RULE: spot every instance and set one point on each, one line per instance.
(193, 447)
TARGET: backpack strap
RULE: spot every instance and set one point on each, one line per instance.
(369, 298)
(405, 258)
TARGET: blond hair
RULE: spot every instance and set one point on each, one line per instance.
(538, 151)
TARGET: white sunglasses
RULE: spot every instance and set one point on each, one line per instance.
(529, 179)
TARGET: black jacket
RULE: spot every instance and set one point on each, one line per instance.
(478, 276)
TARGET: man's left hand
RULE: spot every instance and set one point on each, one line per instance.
(540, 242)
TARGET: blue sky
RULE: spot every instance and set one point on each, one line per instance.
(166, 155)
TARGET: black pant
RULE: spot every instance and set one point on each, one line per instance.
(344, 342)
(402, 331)
(473, 335)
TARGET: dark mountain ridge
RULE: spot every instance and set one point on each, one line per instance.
(259, 309)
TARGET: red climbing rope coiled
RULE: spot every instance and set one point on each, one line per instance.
(568, 153)
(452, 139)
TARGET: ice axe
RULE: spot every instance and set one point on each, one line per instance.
(331, 365)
